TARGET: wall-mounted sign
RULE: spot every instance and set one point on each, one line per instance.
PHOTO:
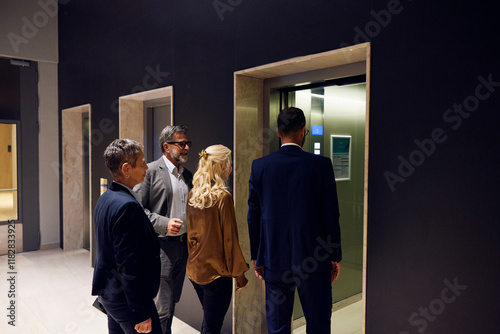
(341, 157)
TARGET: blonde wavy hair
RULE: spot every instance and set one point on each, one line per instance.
(208, 182)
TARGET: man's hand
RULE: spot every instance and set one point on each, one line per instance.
(259, 271)
(174, 226)
(335, 270)
(144, 327)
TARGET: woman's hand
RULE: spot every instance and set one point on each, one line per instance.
(144, 327)
(241, 282)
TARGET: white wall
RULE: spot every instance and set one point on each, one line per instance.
(49, 154)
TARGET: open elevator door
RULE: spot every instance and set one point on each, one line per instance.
(335, 112)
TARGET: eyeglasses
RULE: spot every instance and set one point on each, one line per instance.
(307, 132)
(182, 144)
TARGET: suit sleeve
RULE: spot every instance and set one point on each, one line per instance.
(128, 240)
(159, 222)
(234, 258)
(254, 216)
(331, 213)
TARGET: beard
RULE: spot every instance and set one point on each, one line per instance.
(180, 156)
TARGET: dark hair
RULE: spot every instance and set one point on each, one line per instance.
(119, 152)
(291, 119)
(168, 132)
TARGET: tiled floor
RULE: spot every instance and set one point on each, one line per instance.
(52, 289)
(53, 295)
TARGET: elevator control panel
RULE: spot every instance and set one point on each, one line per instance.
(317, 148)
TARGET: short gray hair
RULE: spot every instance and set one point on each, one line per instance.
(168, 132)
(119, 152)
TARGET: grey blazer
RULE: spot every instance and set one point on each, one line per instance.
(155, 194)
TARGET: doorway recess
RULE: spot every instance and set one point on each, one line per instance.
(142, 113)
(253, 135)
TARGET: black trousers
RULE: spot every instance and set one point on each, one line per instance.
(120, 318)
(315, 293)
(215, 298)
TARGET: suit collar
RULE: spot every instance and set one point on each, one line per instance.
(116, 186)
(161, 162)
(186, 174)
(170, 166)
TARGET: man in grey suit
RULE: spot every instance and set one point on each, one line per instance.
(163, 195)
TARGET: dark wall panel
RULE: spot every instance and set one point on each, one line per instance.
(429, 235)
(435, 78)
(9, 90)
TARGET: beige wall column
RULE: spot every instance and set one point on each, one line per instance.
(74, 226)
(132, 119)
(248, 309)
(132, 111)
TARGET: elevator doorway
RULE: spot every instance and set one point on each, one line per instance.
(254, 137)
(335, 111)
(157, 118)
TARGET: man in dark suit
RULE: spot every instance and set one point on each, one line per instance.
(127, 268)
(163, 195)
(293, 222)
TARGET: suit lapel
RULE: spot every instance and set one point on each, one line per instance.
(165, 174)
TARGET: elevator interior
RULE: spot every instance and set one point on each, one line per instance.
(335, 117)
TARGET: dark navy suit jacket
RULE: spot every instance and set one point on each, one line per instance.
(127, 268)
(293, 215)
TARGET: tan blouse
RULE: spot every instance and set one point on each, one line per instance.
(213, 246)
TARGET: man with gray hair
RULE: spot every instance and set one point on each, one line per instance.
(163, 195)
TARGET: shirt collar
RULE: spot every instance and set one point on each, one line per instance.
(170, 166)
(290, 144)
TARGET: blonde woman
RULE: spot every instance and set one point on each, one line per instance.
(214, 252)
